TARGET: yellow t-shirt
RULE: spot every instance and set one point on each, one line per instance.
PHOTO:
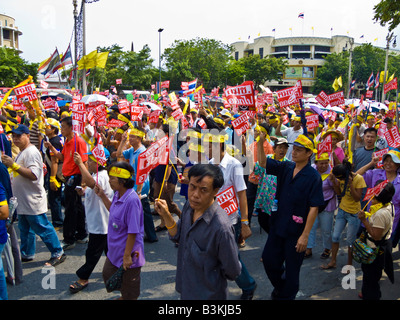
(348, 204)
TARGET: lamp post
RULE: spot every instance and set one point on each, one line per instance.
(351, 42)
(388, 40)
(75, 3)
(159, 54)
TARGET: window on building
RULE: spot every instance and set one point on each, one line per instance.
(282, 49)
(282, 55)
(301, 48)
(300, 56)
(237, 55)
(322, 49)
(261, 52)
(6, 34)
(319, 56)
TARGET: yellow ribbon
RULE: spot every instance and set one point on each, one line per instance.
(55, 181)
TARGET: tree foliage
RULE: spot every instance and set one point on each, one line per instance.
(14, 69)
(387, 12)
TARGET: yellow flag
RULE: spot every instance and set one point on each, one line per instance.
(88, 61)
(340, 82)
(101, 59)
(9, 92)
(335, 85)
(391, 77)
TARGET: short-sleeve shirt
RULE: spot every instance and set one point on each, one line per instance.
(31, 195)
(347, 203)
(382, 219)
(126, 217)
(291, 136)
(232, 171)
(132, 155)
(69, 167)
(295, 196)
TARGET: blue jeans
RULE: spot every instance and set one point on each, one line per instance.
(29, 226)
(3, 284)
(325, 220)
(244, 281)
(353, 224)
(54, 199)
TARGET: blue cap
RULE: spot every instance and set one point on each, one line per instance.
(20, 129)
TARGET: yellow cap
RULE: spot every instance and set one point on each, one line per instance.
(305, 142)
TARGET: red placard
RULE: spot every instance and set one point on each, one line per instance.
(241, 124)
(28, 90)
(136, 113)
(391, 85)
(323, 99)
(336, 99)
(151, 158)
(242, 95)
(154, 116)
(288, 97)
(115, 123)
(312, 121)
(393, 137)
(325, 146)
(177, 114)
(227, 200)
(123, 106)
(375, 190)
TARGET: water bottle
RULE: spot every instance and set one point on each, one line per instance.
(12, 205)
(274, 206)
(70, 181)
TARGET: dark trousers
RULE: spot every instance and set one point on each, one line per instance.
(54, 200)
(251, 193)
(96, 246)
(372, 274)
(282, 264)
(148, 220)
(74, 227)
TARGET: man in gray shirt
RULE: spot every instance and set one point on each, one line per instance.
(207, 252)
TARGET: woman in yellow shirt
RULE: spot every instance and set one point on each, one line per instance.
(348, 186)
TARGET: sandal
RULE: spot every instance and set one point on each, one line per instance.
(308, 254)
(327, 267)
(326, 254)
(158, 228)
(76, 287)
(55, 261)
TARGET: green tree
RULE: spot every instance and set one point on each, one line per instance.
(335, 65)
(260, 70)
(204, 59)
(14, 69)
(367, 59)
(387, 12)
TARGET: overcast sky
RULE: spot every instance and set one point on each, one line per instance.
(47, 24)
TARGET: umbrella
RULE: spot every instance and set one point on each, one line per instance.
(152, 105)
(55, 95)
(9, 258)
(96, 97)
(336, 109)
(376, 106)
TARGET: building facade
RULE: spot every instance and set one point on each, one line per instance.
(9, 33)
(304, 54)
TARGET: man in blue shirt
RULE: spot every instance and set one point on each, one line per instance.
(136, 136)
(299, 193)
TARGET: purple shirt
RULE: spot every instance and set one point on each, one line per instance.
(126, 216)
(328, 191)
(372, 176)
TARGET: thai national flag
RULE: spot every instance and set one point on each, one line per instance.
(188, 87)
(371, 80)
(301, 15)
(352, 85)
(377, 80)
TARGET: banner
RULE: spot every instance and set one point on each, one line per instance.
(154, 116)
(98, 151)
(150, 158)
(78, 118)
(288, 97)
(227, 200)
(27, 90)
(123, 106)
(322, 99)
(44, 84)
(336, 99)
(312, 122)
(115, 123)
(392, 137)
(241, 124)
(371, 192)
(325, 146)
(391, 85)
(242, 95)
(379, 154)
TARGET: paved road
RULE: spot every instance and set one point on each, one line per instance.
(158, 275)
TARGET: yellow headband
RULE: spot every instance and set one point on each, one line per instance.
(271, 121)
(305, 142)
(194, 134)
(324, 156)
(219, 121)
(119, 130)
(196, 147)
(119, 173)
(95, 160)
(297, 118)
(214, 138)
(136, 132)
